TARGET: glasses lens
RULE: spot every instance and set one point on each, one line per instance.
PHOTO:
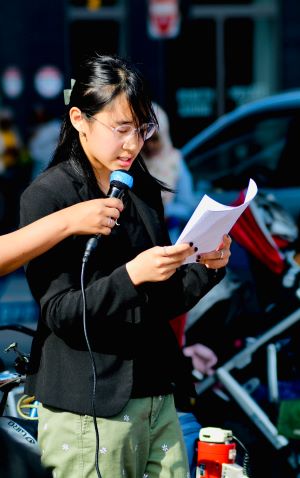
(147, 130)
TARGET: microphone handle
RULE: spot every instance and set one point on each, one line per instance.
(114, 192)
(90, 246)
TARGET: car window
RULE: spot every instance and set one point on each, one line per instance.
(257, 147)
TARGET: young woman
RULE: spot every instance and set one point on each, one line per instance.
(134, 285)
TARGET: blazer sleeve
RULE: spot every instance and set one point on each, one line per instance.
(183, 290)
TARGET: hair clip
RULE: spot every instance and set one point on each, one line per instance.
(67, 93)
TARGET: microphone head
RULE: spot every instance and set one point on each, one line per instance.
(121, 178)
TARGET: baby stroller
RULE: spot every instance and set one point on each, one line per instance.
(252, 321)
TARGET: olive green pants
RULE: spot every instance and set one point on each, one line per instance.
(143, 441)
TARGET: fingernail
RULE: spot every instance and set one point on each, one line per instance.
(195, 249)
(198, 257)
(191, 244)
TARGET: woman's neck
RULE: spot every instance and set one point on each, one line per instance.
(102, 181)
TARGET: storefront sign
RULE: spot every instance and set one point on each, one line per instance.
(242, 94)
(195, 102)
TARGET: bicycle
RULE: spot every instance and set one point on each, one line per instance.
(18, 417)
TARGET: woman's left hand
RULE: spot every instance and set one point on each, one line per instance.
(218, 258)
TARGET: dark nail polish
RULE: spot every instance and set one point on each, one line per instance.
(195, 249)
(191, 244)
(198, 257)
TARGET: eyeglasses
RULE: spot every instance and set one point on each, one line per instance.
(124, 131)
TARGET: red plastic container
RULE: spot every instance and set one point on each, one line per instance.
(211, 456)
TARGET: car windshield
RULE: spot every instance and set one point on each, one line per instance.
(260, 148)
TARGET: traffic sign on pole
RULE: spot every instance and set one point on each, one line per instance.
(163, 18)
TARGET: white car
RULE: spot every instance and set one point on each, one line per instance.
(258, 140)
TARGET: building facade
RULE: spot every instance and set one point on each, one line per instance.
(209, 58)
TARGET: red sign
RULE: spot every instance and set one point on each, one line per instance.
(163, 18)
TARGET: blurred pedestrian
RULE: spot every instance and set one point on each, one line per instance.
(43, 139)
(135, 284)
(11, 143)
(165, 163)
(13, 177)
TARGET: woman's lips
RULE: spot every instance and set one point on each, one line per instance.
(125, 161)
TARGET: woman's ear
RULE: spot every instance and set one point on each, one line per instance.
(76, 118)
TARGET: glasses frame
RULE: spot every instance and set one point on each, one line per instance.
(132, 131)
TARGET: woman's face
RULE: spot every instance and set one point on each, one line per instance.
(105, 148)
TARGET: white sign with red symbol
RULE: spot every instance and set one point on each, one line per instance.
(48, 81)
(163, 18)
(12, 82)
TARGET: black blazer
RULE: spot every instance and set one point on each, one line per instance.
(60, 367)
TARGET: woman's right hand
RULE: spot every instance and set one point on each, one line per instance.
(158, 263)
(96, 216)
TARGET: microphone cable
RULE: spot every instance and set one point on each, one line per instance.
(84, 262)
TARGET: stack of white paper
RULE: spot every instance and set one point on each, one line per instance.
(211, 220)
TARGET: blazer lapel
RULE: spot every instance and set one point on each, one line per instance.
(149, 217)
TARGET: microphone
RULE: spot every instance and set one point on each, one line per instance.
(120, 182)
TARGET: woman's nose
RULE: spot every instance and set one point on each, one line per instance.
(132, 142)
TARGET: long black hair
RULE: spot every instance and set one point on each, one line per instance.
(99, 81)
